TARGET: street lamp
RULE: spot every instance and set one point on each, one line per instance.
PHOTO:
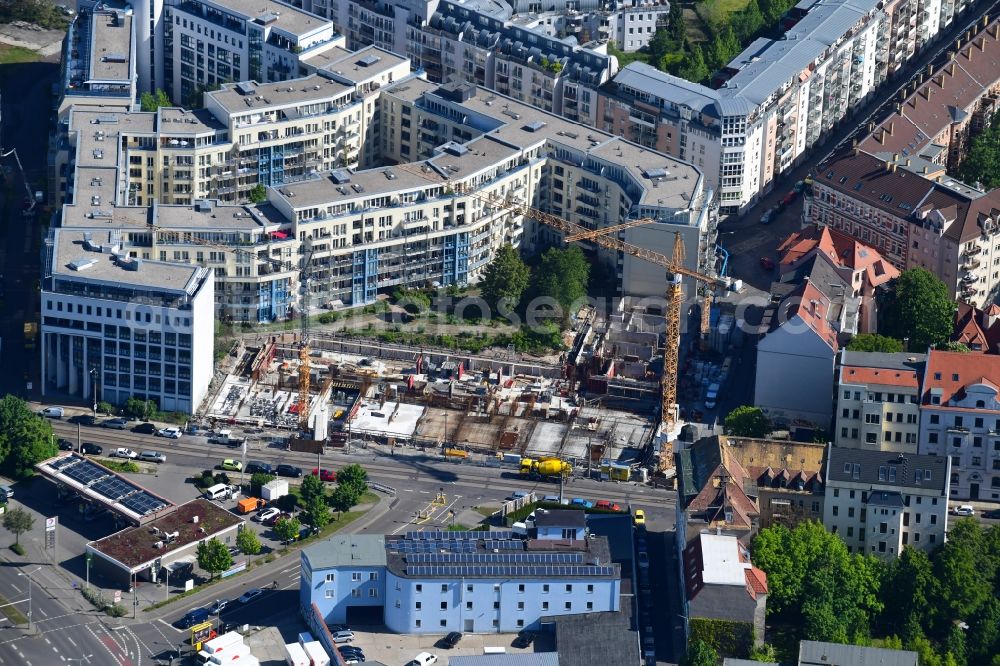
(28, 576)
(93, 375)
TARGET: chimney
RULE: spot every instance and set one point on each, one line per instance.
(986, 20)
(930, 69)
(951, 69)
(923, 169)
(888, 167)
(951, 55)
(889, 129)
(907, 162)
(894, 167)
(939, 79)
(871, 127)
(958, 44)
(895, 157)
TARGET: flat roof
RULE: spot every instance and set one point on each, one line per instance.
(74, 258)
(359, 65)
(99, 484)
(111, 48)
(391, 419)
(173, 120)
(721, 561)
(346, 550)
(251, 96)
(208, 215)
(285, 17)
(136, 546)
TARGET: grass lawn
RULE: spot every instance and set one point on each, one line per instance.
(15, 54)
(717, 12)
(11, 611)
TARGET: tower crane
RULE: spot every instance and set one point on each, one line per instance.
(304, 367)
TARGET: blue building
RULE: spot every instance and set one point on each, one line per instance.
(474, 582)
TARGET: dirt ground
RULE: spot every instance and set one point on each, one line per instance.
(47, 43)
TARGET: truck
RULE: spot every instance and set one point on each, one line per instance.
(30, 334)
(225, 437)
(545, 468)
(248, 504)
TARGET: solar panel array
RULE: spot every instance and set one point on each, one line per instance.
(439, 535)
(495, 558)
(107, 484)
(504, 545)
(433, 546)
(508, 571)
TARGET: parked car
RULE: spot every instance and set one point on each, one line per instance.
(767, 216)
(231, 465)
(218, 606)
(965, 510)
(643, 560)
(325, 474)
(152, 456)
(271, 521)
(91, 449)
(351, 649)
(51, 412)
(84, 419)
(767, 263)
(344, 636)
(115, 424)
(6, 492)
(269, 512)
(288, 470)
(193, 617)
(171, 432)
(551, 498)
(523, 639)
(518, 494)
(790, 197)
(255, 466)
(250, 595)
(122, 452)
(66, 445)
(423, 659)
(579, 501)
(451, 640)
(145, 429)
(639, 518)
(607, 505)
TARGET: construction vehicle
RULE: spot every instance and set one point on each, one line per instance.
(545, 469)
(225, 437)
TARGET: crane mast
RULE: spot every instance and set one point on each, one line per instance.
(304, 366)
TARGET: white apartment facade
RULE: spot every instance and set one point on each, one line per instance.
(115, 327)
(878, 401)
(880, 502)
(960, 419)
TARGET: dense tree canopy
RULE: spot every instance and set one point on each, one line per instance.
(919, 308)
(562, 275)
(213, 556)
(747, 421)
(151, 101)
(873, 342)
(505, 278)
(982, 162)
(25, 437)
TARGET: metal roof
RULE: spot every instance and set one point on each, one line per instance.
(816, 653)
(520, 659)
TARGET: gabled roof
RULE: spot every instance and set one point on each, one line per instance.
(872, 468)
(816, 653)
(949, 373)
(812, 307)
(841, 249)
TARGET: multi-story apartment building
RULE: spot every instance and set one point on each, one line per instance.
(945, 108)
(432, 583)
(115, 327)
(206, 43)
(99, 60)
(440, 216)
(878, 401)
(881, 502)
(960, 419)
(630, 24)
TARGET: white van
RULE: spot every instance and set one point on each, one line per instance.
(712, 396)
(219, 491)
(51, 412)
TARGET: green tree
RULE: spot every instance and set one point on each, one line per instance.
(151, 101)
(982, 162)
(789, 557)
(983, 639)
(841, 597)
(355, 476)
(676, 27)
(139, 409)
(287, 529)
(700, 653)
(963, 573)
(18, 521)
(748, 21)
(873, 342)
(765, 652)
(694, 68)
(910, 584)
(213, 556)
(747, 421)
(562, 276)
(953, 346)
(247, 542)
(258, 194)
(344, 497)
(312, 488)
(919, 308)
(25, 437)
(661, 43)
(316, 512)
(506, 277)
(258, 480)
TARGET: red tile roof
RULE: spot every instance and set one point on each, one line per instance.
(953, 371)
(884, 376)
(842, 250)
(813, 308)
(977, 329)
(756, 582)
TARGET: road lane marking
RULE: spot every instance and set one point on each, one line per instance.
(42, 611)
(167, 624)
(72, 642)
(47, 641)
(16, 588)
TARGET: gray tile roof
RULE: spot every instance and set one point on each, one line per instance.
(519, 659)
(560, 518)
(885, 498)
(618, 530)
(815, 653)
(899, 361)
(595, 638)
(842, 464)
(362, 550)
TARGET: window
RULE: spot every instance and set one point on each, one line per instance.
(520, 623)
(590, 589)
(850, 512)
(496, 605)
(568, 605)
(443, 623)
(329, 594)
(545, 589)
(444, 605)
(836, 510)
(468, 588)
(416, 623)
(419, 587)
(850, 531)
(373, 575)
(373, 592)
(444, 587)
(468, 605)
(330, 577)
(520, 605)
(935, 419)
(520, 588)
(932, 438)
(418, 605)
(883, 528)
(356, 592)
(569, 588)
(545, 605)
(356, 576)
(590, 605)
